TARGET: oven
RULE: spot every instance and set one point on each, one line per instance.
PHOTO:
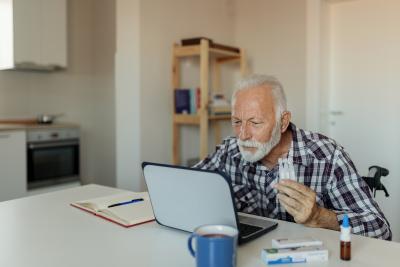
(52, 156)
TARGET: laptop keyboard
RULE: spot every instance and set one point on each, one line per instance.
(247, 229)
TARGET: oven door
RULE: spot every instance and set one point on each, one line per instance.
(52, 162)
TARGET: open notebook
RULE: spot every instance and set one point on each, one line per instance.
(126, 209)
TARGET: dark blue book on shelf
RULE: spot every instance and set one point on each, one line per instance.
(182, 101)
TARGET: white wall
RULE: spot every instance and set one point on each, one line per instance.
(273, 33)
(313, 64)
(128, 91)
(103, 96)
(325, 58)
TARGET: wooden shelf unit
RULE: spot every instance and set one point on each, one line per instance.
(208, 57)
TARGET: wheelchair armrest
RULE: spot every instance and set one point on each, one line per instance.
(373, 179)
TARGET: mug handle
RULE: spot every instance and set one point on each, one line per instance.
(190, 244)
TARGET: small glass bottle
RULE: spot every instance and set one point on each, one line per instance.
(345, 239)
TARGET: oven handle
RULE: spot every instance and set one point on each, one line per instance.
(53, 144)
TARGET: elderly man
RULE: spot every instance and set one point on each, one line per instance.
(327, 184)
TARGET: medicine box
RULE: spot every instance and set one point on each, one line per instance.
(294, 255)
(296, 242)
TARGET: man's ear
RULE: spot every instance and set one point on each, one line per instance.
(285, 120)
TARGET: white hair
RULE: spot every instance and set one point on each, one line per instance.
(258, 80)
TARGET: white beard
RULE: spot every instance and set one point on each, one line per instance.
(263, 149)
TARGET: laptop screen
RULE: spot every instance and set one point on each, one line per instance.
(185, 198)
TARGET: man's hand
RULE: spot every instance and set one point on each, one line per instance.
(300, 201)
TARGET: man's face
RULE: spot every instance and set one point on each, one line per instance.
(254, 123)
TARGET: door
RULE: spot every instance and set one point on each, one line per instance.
(365, 90)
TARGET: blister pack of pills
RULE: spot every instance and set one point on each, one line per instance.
(286, 169)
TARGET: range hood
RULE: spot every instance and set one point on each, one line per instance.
(33, 35)
(31, 66)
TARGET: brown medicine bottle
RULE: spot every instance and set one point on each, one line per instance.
(345, 239)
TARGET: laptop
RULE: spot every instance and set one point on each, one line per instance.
(185, 198)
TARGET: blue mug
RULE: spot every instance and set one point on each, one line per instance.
(215, 245)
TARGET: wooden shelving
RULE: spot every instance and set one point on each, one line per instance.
(208, 56)
(194, 50)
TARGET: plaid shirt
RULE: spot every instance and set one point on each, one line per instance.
(321, 164)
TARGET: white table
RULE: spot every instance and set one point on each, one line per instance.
(44, 231)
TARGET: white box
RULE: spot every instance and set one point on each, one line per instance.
(294, 255)
(297, 242)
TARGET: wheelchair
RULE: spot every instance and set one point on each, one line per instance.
(373, 179)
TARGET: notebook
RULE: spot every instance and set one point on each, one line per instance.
(126, 209)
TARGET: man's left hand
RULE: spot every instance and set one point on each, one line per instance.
(300, 201)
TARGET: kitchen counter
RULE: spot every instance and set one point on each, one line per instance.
(34, 126)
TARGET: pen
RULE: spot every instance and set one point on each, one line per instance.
(126, 202)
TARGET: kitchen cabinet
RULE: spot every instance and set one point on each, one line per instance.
(12, 164)
(35, 34)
